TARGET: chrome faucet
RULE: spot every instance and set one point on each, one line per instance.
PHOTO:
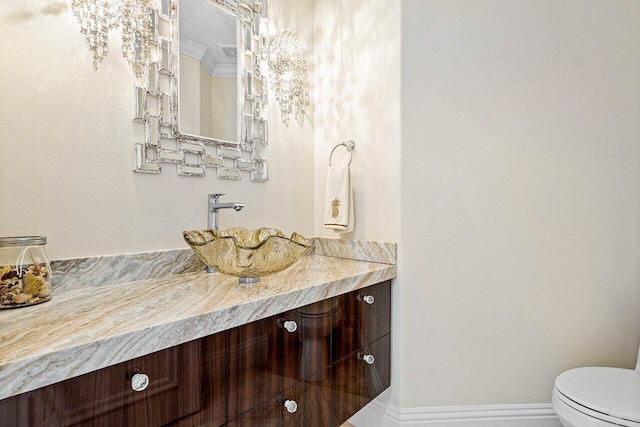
(213, 222)
(213, 214)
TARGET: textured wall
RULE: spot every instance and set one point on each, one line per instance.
(66, 137)
(357, 96)
(357, 86)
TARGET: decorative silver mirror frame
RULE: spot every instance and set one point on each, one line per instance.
(155, 104)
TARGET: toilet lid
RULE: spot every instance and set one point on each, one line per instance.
(612, 391)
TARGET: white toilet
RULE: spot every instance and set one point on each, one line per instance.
(595, 397)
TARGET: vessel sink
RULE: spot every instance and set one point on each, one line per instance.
(247, 254)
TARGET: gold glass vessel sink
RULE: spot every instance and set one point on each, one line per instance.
(247, 254)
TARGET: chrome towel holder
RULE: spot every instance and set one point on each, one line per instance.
(349, 146)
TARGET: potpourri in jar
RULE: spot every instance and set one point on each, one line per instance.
(25, 272)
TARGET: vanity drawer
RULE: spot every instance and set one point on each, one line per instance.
(308, 351)
(355, 382)
(106, 398)
(313, 400)
(363, 317)
(274, 354)
(312, 406)
(331, 396)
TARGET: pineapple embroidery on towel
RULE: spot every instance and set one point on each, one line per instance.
(335, 208)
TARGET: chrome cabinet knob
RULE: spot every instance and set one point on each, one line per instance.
(289, 325)
(139, 381)
(291, 405)
(369, 299)
(367, 358)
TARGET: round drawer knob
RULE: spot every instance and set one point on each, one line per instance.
(139, 381)
(291, 405)
(368, 358)
(369, 299)
(289, 325)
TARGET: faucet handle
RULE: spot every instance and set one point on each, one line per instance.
(215, 196)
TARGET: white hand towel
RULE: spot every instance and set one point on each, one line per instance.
(339, 202)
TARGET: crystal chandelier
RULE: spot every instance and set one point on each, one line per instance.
(288, 69)
(98, 17)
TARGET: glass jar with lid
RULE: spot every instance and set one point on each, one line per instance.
(24, 271)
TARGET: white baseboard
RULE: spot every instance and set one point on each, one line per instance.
(382, 414)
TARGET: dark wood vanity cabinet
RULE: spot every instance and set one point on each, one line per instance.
(357, 379)
(313, 366)
(364, 316)
(312, 400)
(187, 382)
(274, 354)
(335, 361)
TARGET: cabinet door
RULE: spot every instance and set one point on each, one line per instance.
(311, 400)
(356, 381)
(363, 317)
(106, 398)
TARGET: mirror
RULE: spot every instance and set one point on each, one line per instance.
(208, 91)
(201, 103)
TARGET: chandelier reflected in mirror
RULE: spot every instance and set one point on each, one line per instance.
(98, 17)
(288, 69)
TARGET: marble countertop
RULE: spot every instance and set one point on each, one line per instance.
(82, 330)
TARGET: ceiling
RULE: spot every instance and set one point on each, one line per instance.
(203, 29)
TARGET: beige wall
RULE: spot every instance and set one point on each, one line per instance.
(357, 84)
(296, 16)
(357, 96)
(519, 214)
(191, 97)
(206, 110)
(224, 123)
(66, 138)
(208, 105)
(520, 219)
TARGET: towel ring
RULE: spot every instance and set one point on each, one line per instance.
(349, 146)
